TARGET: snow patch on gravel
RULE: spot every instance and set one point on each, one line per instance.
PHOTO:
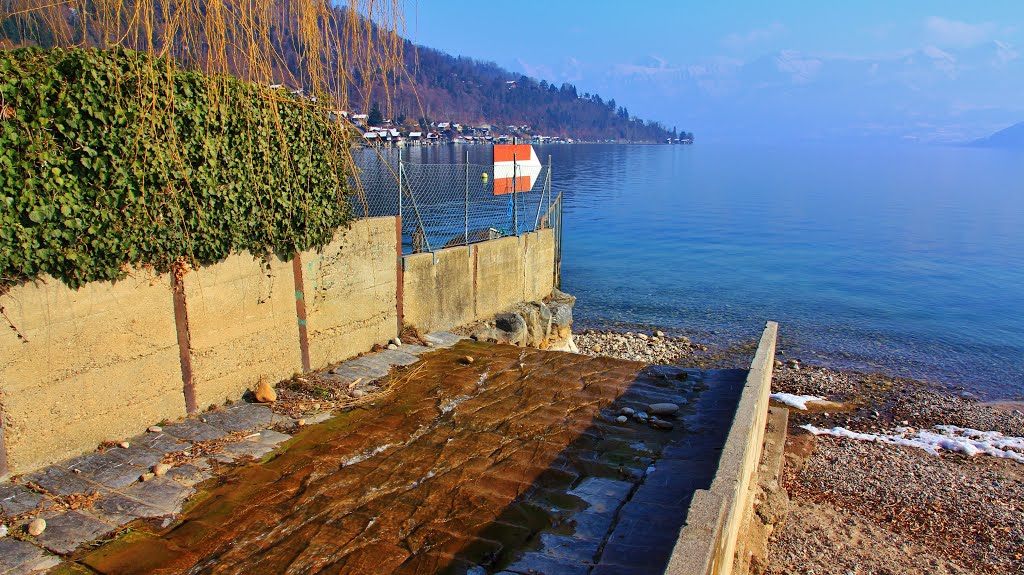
(797, 401)
(964, 440)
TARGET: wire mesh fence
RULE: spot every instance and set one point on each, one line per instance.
(447, 205)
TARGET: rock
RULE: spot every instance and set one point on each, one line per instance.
(3, 531)
(659, 333)
(660, 423)
(778, 363)
(622, 419)
(467, 359)
(561, 313)
(596, 349)
(357, 393)
(562, 297)
(511, 328)
(397, 341)
(124, 445)
(627, 411)
(265, 393)
(640, 416)
(147, 476)
(642, 335)
(392, 346)
(662, 408)
(300, 422)
(429, 344)
(161, 469)
(154, 429)
(36, 527)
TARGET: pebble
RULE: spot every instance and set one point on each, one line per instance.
(622, 419)
(357, 393)
(161, 469)
(662, 408)
(3, 531)
(396, 341)
(155, 429)
(147, 476)
(596, 349)
(429, 344)
(468, 359)
(300, 422)
(660, 423)
(124, 445)
(265, 393)
(392, 346)
(640, 416)
(659, 333)
(627, 411)
(37, 526)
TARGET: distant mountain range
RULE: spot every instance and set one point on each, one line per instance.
(1012, 137)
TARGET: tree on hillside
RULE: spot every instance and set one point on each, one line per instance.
(375, 117)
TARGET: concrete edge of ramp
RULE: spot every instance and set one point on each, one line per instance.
(707, 543)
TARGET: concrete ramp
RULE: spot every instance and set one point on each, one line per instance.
(521, 461)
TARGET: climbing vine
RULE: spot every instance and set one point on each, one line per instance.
(113, 159)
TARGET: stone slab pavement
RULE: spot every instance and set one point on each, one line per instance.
(112, 479)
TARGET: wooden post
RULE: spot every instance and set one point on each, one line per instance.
(184, 339)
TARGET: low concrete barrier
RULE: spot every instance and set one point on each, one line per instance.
(457, 285)
(707, 543)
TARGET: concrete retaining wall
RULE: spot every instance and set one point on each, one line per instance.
(105, 361)
(95, 364)
(466, 283)
(707, 543)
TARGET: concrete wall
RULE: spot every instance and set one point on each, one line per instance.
(440, 295)
(350, 291)
(241, 316)
(97, 363)
(707, 543)
(466, 283)
(102, 362)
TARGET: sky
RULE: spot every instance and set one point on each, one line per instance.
(898, 71)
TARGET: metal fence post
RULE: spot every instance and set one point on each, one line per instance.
(515, 200)
(467, 198)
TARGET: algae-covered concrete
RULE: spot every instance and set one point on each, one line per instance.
(94, 364)
(241, 316)
(350, 291)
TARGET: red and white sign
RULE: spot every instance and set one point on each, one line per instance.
(516, 168)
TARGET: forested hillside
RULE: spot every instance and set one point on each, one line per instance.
(465, 90)
(433, 87)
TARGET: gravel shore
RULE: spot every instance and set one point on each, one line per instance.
(649, 347)
(863, 507)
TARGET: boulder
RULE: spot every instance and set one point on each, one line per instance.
(512, 326)
(560, 296)
(537, 317)
(561, 314)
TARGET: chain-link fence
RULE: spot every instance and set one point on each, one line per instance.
(447, 205)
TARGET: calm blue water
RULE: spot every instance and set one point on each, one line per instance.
(904, 260)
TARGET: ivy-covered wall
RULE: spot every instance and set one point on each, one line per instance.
(111, 160)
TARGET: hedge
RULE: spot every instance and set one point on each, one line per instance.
(111, 160)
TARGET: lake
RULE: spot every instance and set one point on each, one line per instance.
(907, 260)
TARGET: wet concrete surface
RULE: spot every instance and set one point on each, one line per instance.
(514, 463)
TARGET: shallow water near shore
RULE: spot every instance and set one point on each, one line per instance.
(907, 260)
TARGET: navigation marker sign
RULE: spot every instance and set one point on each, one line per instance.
(515, 166)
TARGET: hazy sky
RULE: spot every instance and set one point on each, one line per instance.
(896, 70)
